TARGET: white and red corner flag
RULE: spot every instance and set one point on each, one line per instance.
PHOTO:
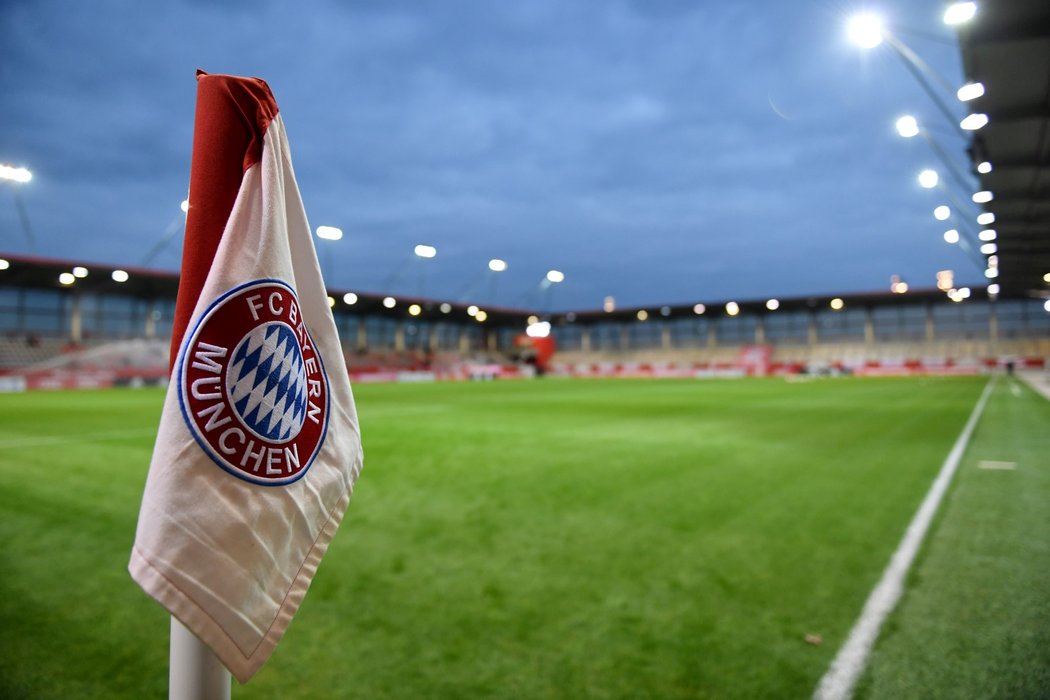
(258, 447)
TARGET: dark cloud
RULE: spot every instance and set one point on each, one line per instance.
(655, 151)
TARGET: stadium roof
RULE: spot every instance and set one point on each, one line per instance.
(1008, 51)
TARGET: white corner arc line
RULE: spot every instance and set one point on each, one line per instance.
(845, 670)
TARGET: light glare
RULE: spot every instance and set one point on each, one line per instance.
(973, 122)
(329, 233)
(415, 310)
(960, 12)
(642, 315)
(988, 234)
(497, 265)
(699, 309)
(609, 305)
(929, 179)
(773, 304)
(837, 304)
(942, 212)
(538, 329)
(732, 308)
(389, 302)
(983, 197)
(80, 272)
(865, 30)
(993, 289)
(426, 251)
(907, 126)
(472, 310)
(984, 167)
(554, 276)
(66, 278)
(970, 91)
(991, 273)
(951, 236)
(8, 172)
(185, 206)
(986, 218)
(480, 316)
(4, 264)
(349, 298)
(119, 276)
(989, 249)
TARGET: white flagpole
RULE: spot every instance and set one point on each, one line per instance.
(194, 672)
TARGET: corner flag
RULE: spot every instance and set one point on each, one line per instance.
(258, 447)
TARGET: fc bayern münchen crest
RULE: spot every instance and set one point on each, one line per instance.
(252, 386)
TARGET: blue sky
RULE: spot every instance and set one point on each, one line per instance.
(659, 152)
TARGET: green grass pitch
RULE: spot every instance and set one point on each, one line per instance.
(553, 539)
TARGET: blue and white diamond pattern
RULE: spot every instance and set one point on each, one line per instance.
(266, 382)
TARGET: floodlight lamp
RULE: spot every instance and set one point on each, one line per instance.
(942, 213)
(993, 261)
(665, 310)
(480, 316)
(119, 276)
(699, 309)
(415, 310)
(985, 218)
(609, 305)
(984, 167)
(951, 236)
(554, 276)
(928, 179)
(472, 310)
(836, 304)
(20, 175)
(773, 304)
(538, 329)
(532, 319)
(988, 234)
(4, 264)
(642, 315)
(970, 91)
(425, 251)
(349, 298)
(983, 197)
(1046, 305)
(185, 206)
(1046, 278)
(973, 122)
(907, 126)
(445, 307)
(732, 308)
(989, 249)
(993, 289)
(80, 272)
(329, 233)
(960, 12)
(331, 301)
(389, 302)
(865, 30)
(66, 278)
(991, 273)
(497, 265)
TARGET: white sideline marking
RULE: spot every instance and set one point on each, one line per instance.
(1015, 390)
(45, 440)
(838, 682)
(989, 464)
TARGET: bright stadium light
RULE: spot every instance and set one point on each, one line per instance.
(66, 278)
(970, 91)
(185, 206)
(973, 122)
(4, 264)
(951, 236)
(907, 126)
(942, 213)
(609, 305)
(425, 251)
(928, 178)
(480, 316)
(773, 304)
(984, 167)
(991, 273)
(349, 298)
(331, 301)
(665, 311)
(119, 276)
(13, 174)
(960, 12)
(554, 276)
(642, 315)
(983, 197)
(329, 233)
(389, 302)
(699, 309)
(472, 310)
(865, 30)
(415, 310)
(993, 289)
(836, 304)
(989, 249)
(538, 329)
(531, 320)
(988, 234)
(497, 265)
(1046, 305)
(732, 308)
(1046, 278)
(80, 272)
(986, 218)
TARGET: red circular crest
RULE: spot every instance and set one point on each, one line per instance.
(252, 385)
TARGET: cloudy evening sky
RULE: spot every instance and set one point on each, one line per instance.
(657, 151)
